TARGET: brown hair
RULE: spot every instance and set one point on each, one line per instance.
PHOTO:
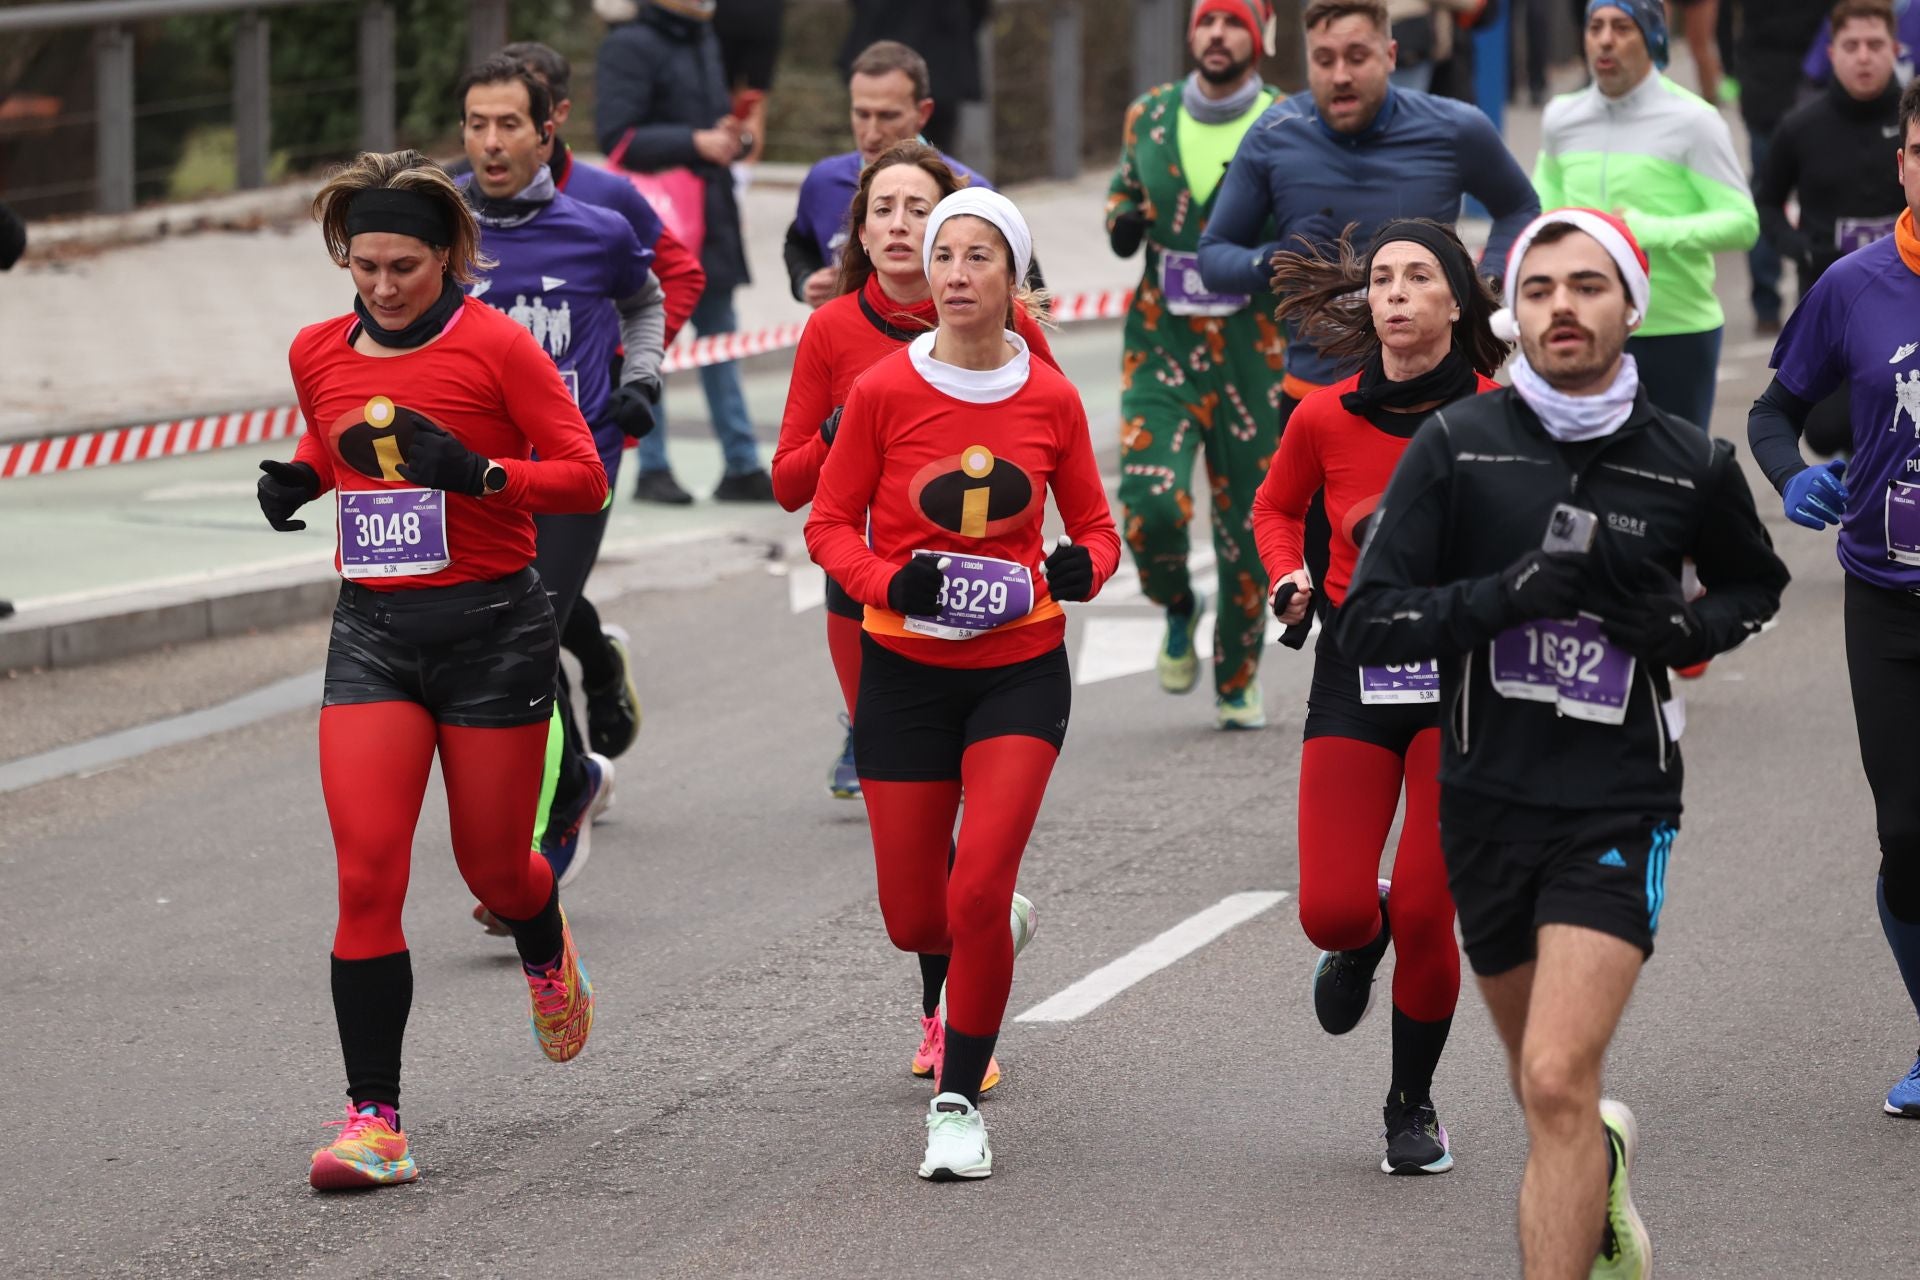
(1871, 10)
(1324, 296)
(398, 171)
(884, 56)
(855, 265)
(1374, 11)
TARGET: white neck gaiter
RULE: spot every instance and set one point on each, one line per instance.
(1571, 418)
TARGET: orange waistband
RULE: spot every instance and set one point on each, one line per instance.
(1298, 388)
(885, 622)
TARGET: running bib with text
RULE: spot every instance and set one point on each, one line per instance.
(1400, 682)
(1857, 233)
(978, 594)
(1903, 522)
(392, 533)
(1569, 664)
(1187, 293)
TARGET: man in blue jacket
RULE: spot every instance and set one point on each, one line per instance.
(663, 104)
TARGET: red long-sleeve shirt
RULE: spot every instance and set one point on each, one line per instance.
(1325, 446)
(842, 340)
(899, 456)
(485, 382)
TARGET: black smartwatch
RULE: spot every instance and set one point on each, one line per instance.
(493, 479)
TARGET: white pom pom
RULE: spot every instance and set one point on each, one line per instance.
(1504, 326)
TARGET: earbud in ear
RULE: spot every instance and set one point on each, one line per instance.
(1633, 316)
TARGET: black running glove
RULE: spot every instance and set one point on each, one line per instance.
(1658, 625)
(916, 586)
(1069, 571)
(435, 460)
(1129, 229)
(284, 489)
(831, 427)
(1546, 584)
(631, 409)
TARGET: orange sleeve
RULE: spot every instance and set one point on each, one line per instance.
(801, 453)
(1280, 507)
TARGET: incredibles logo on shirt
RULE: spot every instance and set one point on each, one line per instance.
(1360, 519)
(374, 438)
(975, 494)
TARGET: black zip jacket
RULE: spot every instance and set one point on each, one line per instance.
(1774, 38)
(1471, 495)
(1838, 153)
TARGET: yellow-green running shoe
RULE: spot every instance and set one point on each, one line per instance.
(1625, 1251)
(1177, 665)
(1244, 710)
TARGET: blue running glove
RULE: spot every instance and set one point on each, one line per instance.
(1817, 496)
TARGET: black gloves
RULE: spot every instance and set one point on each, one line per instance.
(1069, 571)
(916, 586)
(631, 409)
(1129, 229)
(435, 460)
(284, 489)
(1546, 584)
(831, 427)
(1657, 625)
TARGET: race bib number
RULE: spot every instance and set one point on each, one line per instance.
(1903, 522)
(978, 593)
(1569, 664)
(1187, 293)
(1857, 233)
(392, 533)
(1400, 683)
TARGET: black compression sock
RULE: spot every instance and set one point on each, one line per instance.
(371, 999)
(1416, 1052)
(933, 976)
(538, 940)
(965, 1065)
(1181, 604)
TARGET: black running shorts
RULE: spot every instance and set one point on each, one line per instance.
(495, 670)
(1334, 709)
(1610, 875)
(914, 721)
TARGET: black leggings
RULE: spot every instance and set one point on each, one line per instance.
(1883, 663)
(566, 547)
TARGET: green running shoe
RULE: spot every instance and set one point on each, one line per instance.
(1022, 922)
(1177, 665)
(1625, 1251)
(1244, 710)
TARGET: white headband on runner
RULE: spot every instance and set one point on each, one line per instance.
(990, 206)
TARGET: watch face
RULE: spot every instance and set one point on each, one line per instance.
(496, 478)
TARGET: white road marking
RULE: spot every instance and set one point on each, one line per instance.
(1113, 648)
(806, 587)
(1147, 959)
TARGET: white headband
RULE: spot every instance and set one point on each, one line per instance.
(1619, 246)
(990, 206)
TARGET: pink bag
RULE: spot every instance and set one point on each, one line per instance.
(679, 196)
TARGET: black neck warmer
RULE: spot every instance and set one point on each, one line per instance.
(1450, 380)
(426, 326)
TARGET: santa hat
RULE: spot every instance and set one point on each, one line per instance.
(1255, 15)
(1614, 237)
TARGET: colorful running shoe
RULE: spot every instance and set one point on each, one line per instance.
(843, 780)
(1246, 709)
(932, 1054)
(1904, 1098)
(613, 709)
(1625, 1251)
(369, 1152)
(956, 1141)
(1177, 664)
(561, 1000)
(1416, 1140)
(1343, 980)
(567, 852)
(1024, 923)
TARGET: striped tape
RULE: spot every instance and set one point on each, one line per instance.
(113, 445)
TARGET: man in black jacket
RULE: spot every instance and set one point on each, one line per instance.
(1531, 540)
(1774, 37)
(663, 103)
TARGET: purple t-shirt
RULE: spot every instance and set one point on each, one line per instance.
(827, 193)
(1860, 325)
(608, 190)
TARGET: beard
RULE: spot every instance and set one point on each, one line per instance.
(1232, 73)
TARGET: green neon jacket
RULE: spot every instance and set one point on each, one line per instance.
(1664, 159)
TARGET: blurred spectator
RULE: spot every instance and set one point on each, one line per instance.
(664, 108)
(749, 32)
(1699, 22)
(945, 33)
(1428, 33)
(1773, 40)
(13, 237)
(1818, 67)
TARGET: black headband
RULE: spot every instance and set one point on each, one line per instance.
(406, 213)
(1453, 260)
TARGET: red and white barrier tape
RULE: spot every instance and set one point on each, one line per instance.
(114, 445)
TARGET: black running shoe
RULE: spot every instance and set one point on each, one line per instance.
(661, 487)
(748, 486)
(613, 709)
(1416, 1140)
(1343, 980)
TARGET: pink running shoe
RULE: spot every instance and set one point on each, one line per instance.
(369, 1152)
(932, 1053)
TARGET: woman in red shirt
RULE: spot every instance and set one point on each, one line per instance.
(929, 513)
(1416, 313)
(883, 302)
(423, 409)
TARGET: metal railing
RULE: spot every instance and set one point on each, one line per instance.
(113, 63)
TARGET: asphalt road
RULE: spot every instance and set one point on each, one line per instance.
(744, 1107)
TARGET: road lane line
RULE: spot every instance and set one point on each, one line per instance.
(1147, 959)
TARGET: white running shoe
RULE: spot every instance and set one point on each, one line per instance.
(1023, 922)
(956, 1141)
(602, 801)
